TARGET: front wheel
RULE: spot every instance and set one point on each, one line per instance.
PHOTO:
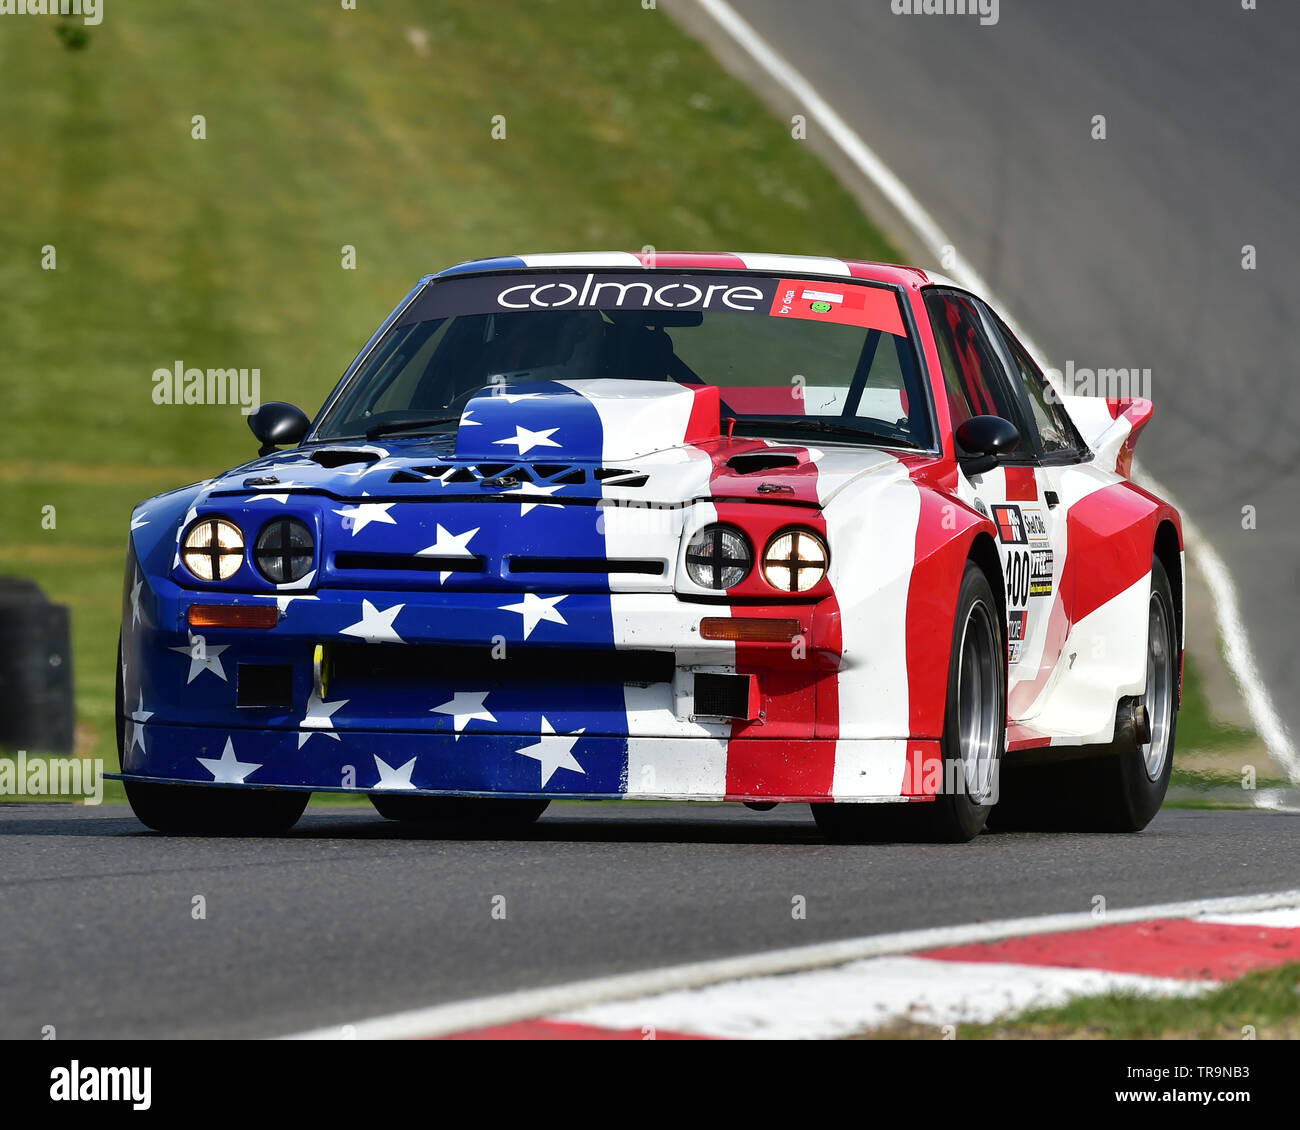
(184, 810)
(974, 733)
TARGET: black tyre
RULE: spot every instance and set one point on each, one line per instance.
(974, 735)
(481, 813)
(1123, 786)
(181, 810)
(119, 709)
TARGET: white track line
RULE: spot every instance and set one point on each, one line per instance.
(833, 1004)
(461, 1016)
(1241, 658)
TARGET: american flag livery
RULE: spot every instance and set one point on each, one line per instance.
(503, 609)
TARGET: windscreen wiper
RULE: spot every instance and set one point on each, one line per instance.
(389, 427)
(825, 427)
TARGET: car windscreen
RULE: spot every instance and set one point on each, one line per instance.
(790, 356)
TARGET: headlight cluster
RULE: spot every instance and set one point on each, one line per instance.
(719, 557)
(284, 551)
(213, 549)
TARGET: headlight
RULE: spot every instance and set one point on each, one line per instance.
(795, 560)
(213, 549)
(718, 557)
(284, 551)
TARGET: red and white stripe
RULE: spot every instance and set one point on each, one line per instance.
(972, 982)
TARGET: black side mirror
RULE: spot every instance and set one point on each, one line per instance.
(278, 424)
(980, 441)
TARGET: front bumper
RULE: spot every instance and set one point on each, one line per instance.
(564, 765)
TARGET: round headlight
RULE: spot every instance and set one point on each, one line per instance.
(718, 557)
(213, 549)
(795, 561)
(284, 551)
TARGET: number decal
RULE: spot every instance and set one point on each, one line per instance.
(1018, 578)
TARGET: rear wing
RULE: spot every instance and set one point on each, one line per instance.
(1110, 425)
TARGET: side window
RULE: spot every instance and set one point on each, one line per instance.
(972, 371)
(1054, 428)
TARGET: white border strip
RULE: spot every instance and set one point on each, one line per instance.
(1241, 659)
(483, 1012)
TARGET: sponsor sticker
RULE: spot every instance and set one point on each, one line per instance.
(872, 307)
(1035, 525)
(1017, 624)
(537, 291)
(1040, 572)
(1019, 525)
(1011, 528)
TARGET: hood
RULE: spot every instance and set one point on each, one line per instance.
(646, 441)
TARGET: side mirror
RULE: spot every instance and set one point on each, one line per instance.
(981, 439)
(278, 424)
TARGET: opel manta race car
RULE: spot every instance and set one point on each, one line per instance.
(751, 528)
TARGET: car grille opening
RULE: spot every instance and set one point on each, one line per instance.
(407, 563)
(645, 567)
(400, 663)
(264, 684)
(724, 696)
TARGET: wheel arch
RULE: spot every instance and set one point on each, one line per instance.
(1168, 551)
(984, 553)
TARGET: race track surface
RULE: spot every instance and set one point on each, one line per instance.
(350, 916)
(1122, 253)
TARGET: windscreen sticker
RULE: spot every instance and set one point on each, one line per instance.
(536, 291)
(873, 308)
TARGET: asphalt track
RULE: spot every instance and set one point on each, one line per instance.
(351, 916)
(1122, 253)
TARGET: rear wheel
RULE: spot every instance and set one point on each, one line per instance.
(181, 810)
(1122, 788)
(488, 814)
(973, 737)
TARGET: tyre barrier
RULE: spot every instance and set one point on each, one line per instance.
(37, 706)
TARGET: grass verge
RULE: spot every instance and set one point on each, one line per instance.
(1264, 1004)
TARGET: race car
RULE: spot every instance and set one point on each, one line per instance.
(693, 527)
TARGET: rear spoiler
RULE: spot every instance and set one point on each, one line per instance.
(1111, 426)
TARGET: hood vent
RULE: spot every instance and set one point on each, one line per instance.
(508, 475)
(753, 462)
(342, 456)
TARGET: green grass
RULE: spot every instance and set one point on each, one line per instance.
(1197, 728)
(1267, 1001)
(325, 127)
